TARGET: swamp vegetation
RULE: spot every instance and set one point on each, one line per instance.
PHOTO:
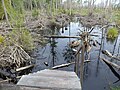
(27, 25)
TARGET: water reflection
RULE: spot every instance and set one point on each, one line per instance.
(69, 54)
(95, 72)
(53, 45)
(111, 40)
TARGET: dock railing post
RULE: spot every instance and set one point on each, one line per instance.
(82, 62)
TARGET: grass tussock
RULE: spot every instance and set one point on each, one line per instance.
(112, 33)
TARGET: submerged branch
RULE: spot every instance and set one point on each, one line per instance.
(67, 64)
(107, 53)
(112, 64)
(112, 69)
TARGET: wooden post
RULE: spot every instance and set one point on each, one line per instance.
(75, 65)
(77, 62)
(53, 51)
(82, 63)
(69, 32)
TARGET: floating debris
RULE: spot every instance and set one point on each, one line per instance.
(46, 63)
(74, 44)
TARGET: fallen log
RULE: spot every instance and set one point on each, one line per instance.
(67, 64)
(112, 69)
(106, 52)
(63, 65)
(23, 68)
(94, 43)
(111, 63)
(19, 56)
(57, 36)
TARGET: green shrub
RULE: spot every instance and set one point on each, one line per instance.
(22, 38)
(35, 13)
(1, 8)
(1, 39)
(112, 33)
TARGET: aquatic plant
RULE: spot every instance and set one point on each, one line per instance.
(1, 39)
(112, 33)
(115, 88)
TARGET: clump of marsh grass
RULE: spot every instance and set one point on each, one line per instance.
(112, 33)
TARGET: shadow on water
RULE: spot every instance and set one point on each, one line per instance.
(97, 76)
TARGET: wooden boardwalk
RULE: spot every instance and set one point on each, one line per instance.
(51, 80)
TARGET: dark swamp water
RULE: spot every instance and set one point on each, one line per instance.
(97, 75)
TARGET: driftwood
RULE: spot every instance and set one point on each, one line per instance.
(2, 81)
(91, 29)
(94, 43)
(57, 36)
(87, 48)
(8, 75)
(106, 52)
(23, 68)
(63, 65)
(97, 42)
(111, 63)
(67, 64)
(112, 69)
(74, 44)
(19, 56)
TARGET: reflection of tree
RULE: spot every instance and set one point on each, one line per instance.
(115, 46)
(110, 40)
(53, 45)
(69, 54)
(53, 52)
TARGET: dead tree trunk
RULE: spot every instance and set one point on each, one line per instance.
(5, 11)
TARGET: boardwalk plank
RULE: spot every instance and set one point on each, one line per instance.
(51, 79)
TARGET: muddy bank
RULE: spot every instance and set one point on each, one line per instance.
(44, 26)
(13, 56)
(91, 19)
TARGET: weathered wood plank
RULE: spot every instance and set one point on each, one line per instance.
(52, 79)
(15, 87)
